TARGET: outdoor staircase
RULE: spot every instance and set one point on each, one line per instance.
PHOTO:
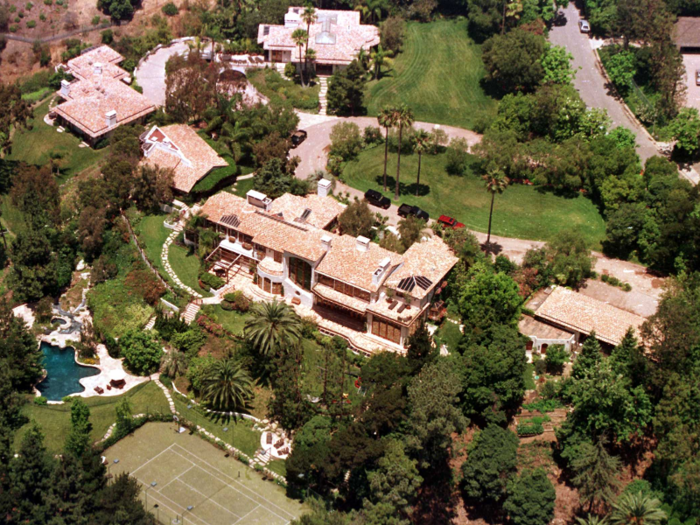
(263, 458)
(323, 81)
(279, 66)
(191, 311)
(150, 324)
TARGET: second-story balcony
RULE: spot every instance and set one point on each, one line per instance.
(235, 246)
(270, 267)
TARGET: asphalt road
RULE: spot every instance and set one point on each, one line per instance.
(590, 81)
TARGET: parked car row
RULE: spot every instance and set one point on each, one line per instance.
(375, 198)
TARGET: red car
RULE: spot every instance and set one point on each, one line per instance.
(449, 222)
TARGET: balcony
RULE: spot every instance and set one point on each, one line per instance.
(270, 268)
(239, 248)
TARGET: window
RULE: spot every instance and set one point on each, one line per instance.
(342, 287)
(386, 330)
(278, 256)
(300, 273)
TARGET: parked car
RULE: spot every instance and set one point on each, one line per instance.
(298, 137)
(584, 26)
(449, 222)
(406, 209)
(377, 199)
(697, 77)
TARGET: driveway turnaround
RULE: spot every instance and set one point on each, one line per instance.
(151, 73)
(591, 83)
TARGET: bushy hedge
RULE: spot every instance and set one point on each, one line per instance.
(211, 281)
(215, 178)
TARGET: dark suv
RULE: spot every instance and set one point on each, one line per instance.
(298, 137)
(377, 199)
(406, 209)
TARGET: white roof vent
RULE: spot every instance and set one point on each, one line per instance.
(258, 199)
(326, 241)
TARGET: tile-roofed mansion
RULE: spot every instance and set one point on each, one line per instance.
(336, 37)
(99, 100)
(178, 147)
(372, 297)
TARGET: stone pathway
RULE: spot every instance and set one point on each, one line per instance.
(166, 263)
(190, 313)
(323, 81)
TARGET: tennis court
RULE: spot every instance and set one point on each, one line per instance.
(187, 479)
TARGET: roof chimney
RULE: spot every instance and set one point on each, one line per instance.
(259, 200)
(326, 242)
(362, 244)
(111, 118)
(98, 68)
(380, 271)
(65, 88)
(324, 187)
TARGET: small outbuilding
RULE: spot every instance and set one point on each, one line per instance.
(686, 34)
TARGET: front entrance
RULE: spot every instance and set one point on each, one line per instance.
(386, 330)
(324, 69)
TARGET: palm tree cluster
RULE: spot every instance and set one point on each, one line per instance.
(395, 117)
(301, 39)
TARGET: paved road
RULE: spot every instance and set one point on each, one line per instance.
(314, 150)
(151, 73)
(590, 81)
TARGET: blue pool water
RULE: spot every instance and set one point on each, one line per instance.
(62, 372)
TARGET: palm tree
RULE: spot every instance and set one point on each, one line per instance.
(227, 386)
(635, 508)
(421, 144)
(309, 17)
(272, 327)
(592, 519)
(173, 364)
(386, 120)
(310, 58)
(496, 182)
(300, 36)
(403, 119)
(380, 57)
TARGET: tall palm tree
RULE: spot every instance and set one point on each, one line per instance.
(272, 327)
(308, 16)
(310, 58)
(421, 144)
(386, 120)
(300, 37)
(380, 57)
(592, 519)
(496, 182)
(227, 386)
(403, 119)
(637, 509)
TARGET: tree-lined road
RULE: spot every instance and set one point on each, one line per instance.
(591, 83)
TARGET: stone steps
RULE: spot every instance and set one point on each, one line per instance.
(323, 104)
(150, 324)
(190, 313)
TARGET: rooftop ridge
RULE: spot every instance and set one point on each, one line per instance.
(280, 219)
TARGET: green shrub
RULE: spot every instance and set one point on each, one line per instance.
(13, 8)
(372, 135)
(42, 17)
(170, 9)
(41, 401)
(67, 399)
(95, 20)
(281, 90)
(530, 429)
(59, 2)
(142, 352)
(13, 28)
(290, 70)
(29, 6)
(31, 24)
(48, 2)
(211, 281)
(544, 405)
(217, 176)
(627, 287)
(107, 36)
(555, 359)
(236, 301)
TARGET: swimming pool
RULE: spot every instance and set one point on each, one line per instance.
(62, 372)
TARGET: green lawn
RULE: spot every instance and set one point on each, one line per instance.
(529, 376)
(437, 74)
(152, 233)
(55, 419)
(186, 267)
(280, 89)
(240, 433)
(242, 187)
(34, 146)
(522, 211)
(231, 320)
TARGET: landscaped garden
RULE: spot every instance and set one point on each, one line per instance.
(39, 143)
(186, 266)
(437, 74)
(277, 88)
(55, 420)
(521, 211)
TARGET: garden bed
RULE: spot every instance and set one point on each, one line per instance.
(279, 89)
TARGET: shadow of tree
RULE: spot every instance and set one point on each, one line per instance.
(405, 188)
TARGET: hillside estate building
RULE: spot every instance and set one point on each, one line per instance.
(372, 297)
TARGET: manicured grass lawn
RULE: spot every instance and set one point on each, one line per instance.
(35, 145)
(240, 433)
(522, 211)
(55, 419)
(437, 75)
(186, 267)
(12, 218)
(232, 320)
(280, 89)
(242, 187)
(529, 376)
(279, 466)
(153, 234)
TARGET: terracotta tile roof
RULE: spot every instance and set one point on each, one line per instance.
(348, 264)
(431, 259)
(179, 147)
(323, 210)
(328, 293)
(584, 314)
(686, 31)
(98, 90)
(345, 26)
(267, 229)
(530, 326)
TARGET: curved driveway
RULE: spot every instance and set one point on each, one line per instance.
(590, 81)
(151, 73)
